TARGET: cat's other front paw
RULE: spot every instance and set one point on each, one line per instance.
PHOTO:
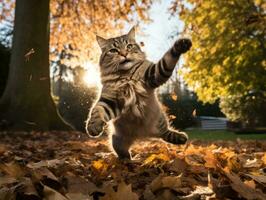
(182, 45)
(94, 128)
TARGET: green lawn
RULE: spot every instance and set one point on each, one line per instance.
(223, 135)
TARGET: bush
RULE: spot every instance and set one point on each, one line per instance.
(249, 109)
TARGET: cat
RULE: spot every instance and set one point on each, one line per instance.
(128, 98)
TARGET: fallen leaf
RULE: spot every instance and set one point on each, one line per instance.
(255, 163)
(124, 192)
(75, 184)
(51, 194)
(178, 165)
(250, 183)
(46, 177)
(78, 196)
(4, 180)
(244, 190)
(12, 169)
(99, 165)
(46, 163)
(170, 182)
(154, 158)
(258, 178)
(27, 190)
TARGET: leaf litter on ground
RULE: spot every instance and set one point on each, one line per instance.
(69, 165)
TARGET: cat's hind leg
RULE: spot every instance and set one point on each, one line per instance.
(168, 134)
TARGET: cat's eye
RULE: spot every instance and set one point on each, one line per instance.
(129, 46)
(113, 51)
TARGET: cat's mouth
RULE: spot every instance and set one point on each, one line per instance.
(125, 64)
(125, 61)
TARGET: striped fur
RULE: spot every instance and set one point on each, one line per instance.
(128, 98)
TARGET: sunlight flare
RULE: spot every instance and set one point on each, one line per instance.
(92, 76)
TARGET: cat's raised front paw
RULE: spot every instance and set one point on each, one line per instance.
(95, 128)
(182, 45)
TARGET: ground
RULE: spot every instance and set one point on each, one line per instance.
(69, 165)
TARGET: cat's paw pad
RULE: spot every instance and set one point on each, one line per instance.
(183, 45)
(95, 128)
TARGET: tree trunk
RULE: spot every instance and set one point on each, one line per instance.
(27, 103)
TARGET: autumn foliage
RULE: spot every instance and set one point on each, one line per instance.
(63, 165)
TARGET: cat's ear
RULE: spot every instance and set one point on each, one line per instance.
(131, 33)
(101, 41)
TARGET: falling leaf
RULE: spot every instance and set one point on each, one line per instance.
(172, 117)
(28, 54)
(174, 96)
(194, 113)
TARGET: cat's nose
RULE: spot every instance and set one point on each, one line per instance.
(123, 53)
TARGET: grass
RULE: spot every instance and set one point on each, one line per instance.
(223, 135)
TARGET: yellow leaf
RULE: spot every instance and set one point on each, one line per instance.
(99, 165)
(155, 158)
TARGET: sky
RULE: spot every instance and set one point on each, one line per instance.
(157, 34)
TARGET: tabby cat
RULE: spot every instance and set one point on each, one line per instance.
(128, 98)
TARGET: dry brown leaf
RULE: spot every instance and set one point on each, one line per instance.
(250, 183)
(46, 177)
(78, 196)
(51, 194)
(170, 182)
(27, 190)
(12, 169)
(2, 149)
(7, 194)
(178, 165)
(77, 184)
(124, 192)
(258, 178)
(255, 163)
(244, 190)
(4, 180)
(264, 158)
(46, 163)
